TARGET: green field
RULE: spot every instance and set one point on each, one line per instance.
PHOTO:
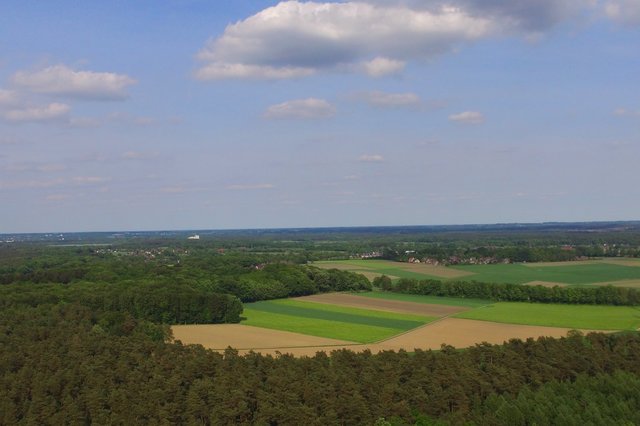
(434, 300)
(571, 316)
(323, 320)
(570, 274)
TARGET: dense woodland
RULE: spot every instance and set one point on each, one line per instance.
(85, 338)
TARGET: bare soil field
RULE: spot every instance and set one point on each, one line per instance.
(546, 284)
(238, 336)
(354, 301)
(438, 271)
(564, 263)
(622, 283)
(372, 274)
(623, 262)
(460, 333)
(342, 266)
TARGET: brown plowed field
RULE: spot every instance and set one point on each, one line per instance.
(546, 284)
(460, 333)
(622, 283)
(435, 270)
(562, 263)
(354, 301)
(221, 336)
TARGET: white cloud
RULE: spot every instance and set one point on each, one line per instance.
(8, 97)
(380, 67)
(301, 109)
(371, 158)
(390, 100)
(51, 112)
(47, 183)
(251, 186)
(61, 80)
(626, 12)
(468, 117)
(220, 71)
(293, 39)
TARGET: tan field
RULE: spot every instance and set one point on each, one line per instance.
(460, 333)
(565, 263)
(354, 301)
(341, 266)
(546, 284)
(623, 262)
(622, 283)
(221, 336)
(371, 274)
(611, 261)
(436, 270)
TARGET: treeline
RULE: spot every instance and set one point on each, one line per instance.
(595, 295)
(159, 303)
(57, 366)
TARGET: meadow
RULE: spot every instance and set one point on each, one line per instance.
(571, 316)
(615, 271)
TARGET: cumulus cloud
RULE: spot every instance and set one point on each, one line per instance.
(60, 80)
(390, 100)
(626, 12)
(240, 187)
(468, 117)
(50, 112)
(294, 39)
(371, 158)
(380, 67)
(377, 37)
(301, 109)
(8, 97)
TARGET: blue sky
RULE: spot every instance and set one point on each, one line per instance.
(245, 114)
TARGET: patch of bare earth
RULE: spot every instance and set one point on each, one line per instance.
(564, 263)
(623, 262)
(340, 266)
(546, 284)
(371, 275)
(435, 270)
(623, 283)
(399, 306)
(221, 336)
(460, 333)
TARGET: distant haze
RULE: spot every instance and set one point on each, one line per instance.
(264, 114)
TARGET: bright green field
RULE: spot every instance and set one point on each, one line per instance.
(569, 274)
(434, 300)
(337, 322)
(571, 316)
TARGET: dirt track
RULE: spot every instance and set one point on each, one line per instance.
(456, 332)
(354, 301)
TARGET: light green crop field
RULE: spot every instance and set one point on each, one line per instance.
(324, 320)
(570, 273)
(433, 300)
(593, 317)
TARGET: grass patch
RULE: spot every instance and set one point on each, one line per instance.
(555, 315)
(433, 300)
(324, 320)
(382, 267)
(570, 274)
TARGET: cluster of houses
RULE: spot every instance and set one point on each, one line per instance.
(456, 260)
